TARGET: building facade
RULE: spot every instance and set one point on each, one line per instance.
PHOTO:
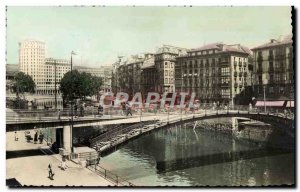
(32, 62)
(127, 74)
(274, 69)
(215, 72)
(55, 70)
(149, 76)
(11, 73)
(165, 59)
(105, 72)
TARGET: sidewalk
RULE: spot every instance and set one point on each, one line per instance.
(33, 170)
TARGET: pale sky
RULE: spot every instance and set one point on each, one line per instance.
(99, 34)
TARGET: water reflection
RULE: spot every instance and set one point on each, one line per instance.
(184, 156)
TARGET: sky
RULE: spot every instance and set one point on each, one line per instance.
(100, 34)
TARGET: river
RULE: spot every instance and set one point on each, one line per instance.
(180, 156)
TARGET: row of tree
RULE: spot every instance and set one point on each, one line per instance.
(74, 85)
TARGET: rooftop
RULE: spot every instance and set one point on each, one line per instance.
(221, 47)
(148, 63)
(12, 69)
(171, 49)
(282, 40)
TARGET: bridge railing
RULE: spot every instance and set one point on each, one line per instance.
(104, 136)
(119, 181)
(92, 112)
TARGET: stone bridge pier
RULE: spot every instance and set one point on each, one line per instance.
(67, 138)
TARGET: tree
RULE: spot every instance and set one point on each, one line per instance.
(23, 83)
(79, 85)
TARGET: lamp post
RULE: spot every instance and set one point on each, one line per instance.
(71, 130)
(180, 98)
(55, 94)
(265, 82)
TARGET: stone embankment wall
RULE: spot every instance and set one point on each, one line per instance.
(260, 134)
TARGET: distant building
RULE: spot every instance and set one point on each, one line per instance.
(165, 65)
(127, 73)
(11, 72)
(32, 62)
(274, 69)
(105, 72)
(215, 72)
(42, 70)
(62, 67)
(149, 76)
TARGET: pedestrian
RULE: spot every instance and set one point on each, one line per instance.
(128, 109)
(50, 172)
(16, 136)
(63, 163)
(81, 110)
(100, 110)
(41, 138)
(123, 108)
(250, 106)
(75, 109)
(35, 138)
(59, 114)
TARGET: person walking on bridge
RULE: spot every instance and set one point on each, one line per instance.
(128, 109)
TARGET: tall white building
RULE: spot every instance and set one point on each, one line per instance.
(32, 61)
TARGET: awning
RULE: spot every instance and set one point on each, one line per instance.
(269, 103)
(290, 104)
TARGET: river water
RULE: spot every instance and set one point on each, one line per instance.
(182, 156)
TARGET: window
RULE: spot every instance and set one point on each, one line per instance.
(271, 53)
(259, 54)
(259, 79)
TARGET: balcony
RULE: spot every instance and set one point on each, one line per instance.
(259, 58)
(279, 69)
(224, 61)
(259, 70)
(279, 56)
(224, 84)
(271, 57)
(235, 64)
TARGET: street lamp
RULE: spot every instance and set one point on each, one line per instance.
(265, 82)
(181, 92)
(71, 130)
(55, 94)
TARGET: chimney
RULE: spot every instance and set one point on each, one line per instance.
(273, 40)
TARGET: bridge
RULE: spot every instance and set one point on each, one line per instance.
(118, 136)
(144, 124)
